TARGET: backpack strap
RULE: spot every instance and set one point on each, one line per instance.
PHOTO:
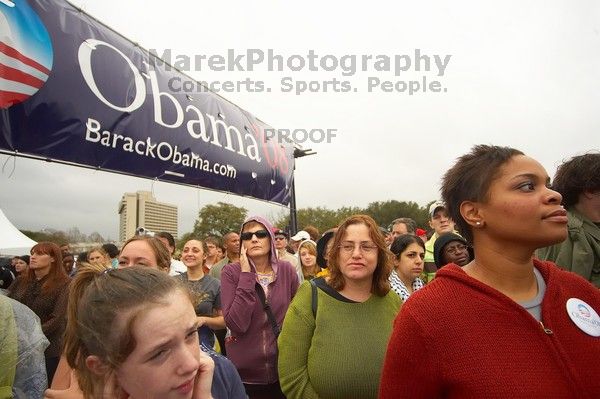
(314, 297)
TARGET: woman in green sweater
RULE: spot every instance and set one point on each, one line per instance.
(338, 351)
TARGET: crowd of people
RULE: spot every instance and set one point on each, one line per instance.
(500, 299)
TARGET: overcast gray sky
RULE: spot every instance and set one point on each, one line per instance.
(523, 74)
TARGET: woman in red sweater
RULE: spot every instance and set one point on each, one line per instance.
(505, 325)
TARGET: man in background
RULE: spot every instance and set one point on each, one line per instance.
(440, 222)
(578, 181)
(402, 226)
(177, 266)
(65, 248)
(297, 239)
(451, 248)
(281, 243)
(212, 256)
(231, 241)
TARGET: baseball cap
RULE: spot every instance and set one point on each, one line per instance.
(301, 236)
(435, 206)
(279, 232)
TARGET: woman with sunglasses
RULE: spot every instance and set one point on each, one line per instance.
(335, 333)
(258, 278)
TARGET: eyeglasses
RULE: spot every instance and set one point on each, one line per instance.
(455, 249)
(279, 238)
(364, 247)
(258, 233)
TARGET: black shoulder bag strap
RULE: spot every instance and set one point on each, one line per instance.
(261, 295)
(314, 297)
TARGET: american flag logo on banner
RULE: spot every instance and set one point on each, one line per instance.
(25, 52)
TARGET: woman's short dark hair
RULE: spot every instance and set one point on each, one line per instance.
(403, 241)
(470, 179)
(577, 175)
(111, 249)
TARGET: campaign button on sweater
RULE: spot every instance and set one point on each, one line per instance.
(584, 316)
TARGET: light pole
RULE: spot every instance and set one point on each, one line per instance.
(298, 153)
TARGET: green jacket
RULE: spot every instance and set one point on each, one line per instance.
(580, 252)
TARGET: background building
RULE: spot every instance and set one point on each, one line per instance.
(140, 209)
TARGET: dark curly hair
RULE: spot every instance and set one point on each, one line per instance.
(578, 174)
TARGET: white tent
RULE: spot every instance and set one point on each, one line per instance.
(12, 241)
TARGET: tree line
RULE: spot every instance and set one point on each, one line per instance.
(218, 219)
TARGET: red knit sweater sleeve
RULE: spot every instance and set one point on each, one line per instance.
(410, 369)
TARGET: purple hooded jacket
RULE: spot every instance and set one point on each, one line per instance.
(251, 343)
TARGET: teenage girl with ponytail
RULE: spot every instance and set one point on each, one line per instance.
(132, 333)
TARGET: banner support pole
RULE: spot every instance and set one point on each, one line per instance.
(298, 153)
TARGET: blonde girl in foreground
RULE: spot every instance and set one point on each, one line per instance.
(136, 337)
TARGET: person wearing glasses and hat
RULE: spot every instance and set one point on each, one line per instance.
(281, 243)
(451, 248)
(255, 295)
(441, 223)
